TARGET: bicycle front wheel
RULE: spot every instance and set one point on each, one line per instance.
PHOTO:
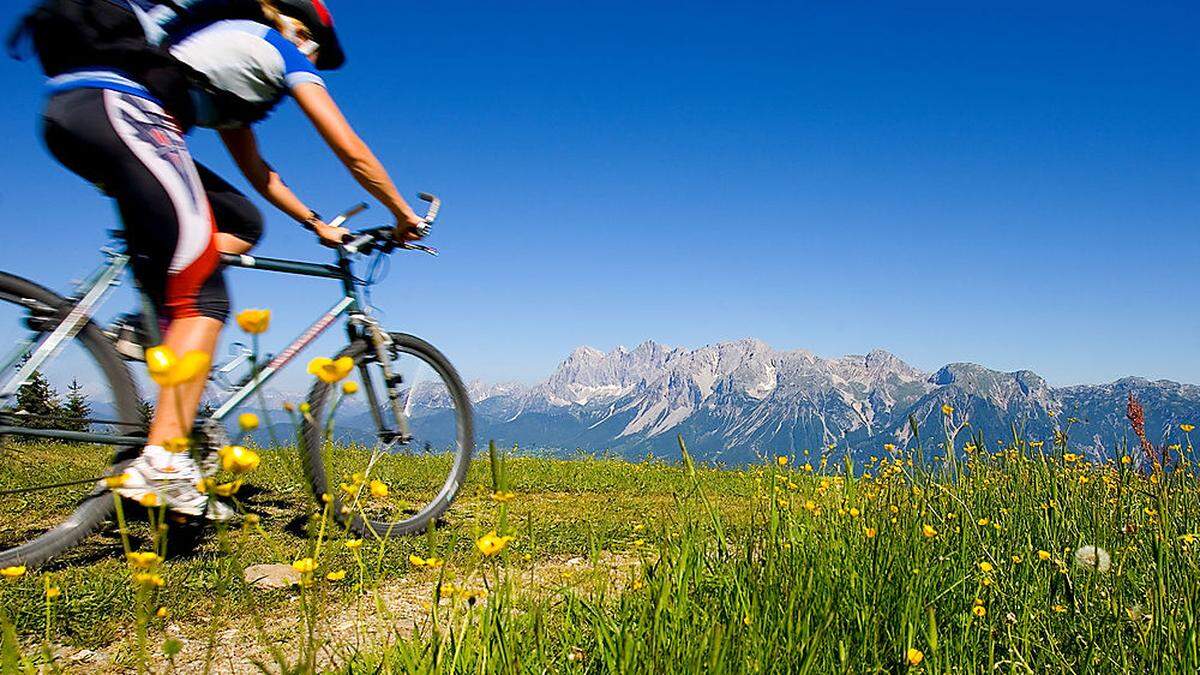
(49, 494)
(390, 469)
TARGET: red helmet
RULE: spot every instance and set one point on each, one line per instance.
(315, 16)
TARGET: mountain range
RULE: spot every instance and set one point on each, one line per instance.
(736, 401)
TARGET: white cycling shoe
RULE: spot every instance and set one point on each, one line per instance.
(172, 478)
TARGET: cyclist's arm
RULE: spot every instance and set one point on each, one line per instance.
(325, 115)
(243, 147)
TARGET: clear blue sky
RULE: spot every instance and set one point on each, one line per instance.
(1015, 185)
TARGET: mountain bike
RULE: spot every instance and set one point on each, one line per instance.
(421, 438)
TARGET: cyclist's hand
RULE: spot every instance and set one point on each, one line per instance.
(330, 236)
(408, 229)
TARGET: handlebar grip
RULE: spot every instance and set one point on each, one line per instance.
(435, 205)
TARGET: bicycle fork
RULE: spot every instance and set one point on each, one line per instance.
(380, 343)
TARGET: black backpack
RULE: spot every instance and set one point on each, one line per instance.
(72, 35)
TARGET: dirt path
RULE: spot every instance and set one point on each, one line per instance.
(396, 610)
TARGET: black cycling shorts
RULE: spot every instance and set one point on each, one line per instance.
(132, 150)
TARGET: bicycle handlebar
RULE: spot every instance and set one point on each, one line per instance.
(365, 240)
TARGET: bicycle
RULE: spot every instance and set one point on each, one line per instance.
(424, 408)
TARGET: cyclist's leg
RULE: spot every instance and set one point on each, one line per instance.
(132, 148)
(239, 222)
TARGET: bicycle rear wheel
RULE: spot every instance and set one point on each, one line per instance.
(422, 473)
(49, 497)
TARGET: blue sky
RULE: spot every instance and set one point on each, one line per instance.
(1011, 184)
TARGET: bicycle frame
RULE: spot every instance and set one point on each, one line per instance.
(98, 287)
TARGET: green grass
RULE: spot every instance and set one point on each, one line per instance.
(768, 569)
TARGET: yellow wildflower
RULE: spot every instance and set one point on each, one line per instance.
(854, 513)
(148, 580)
(1016, 560)
(162, 613)
(1187, 428)
(254, 321)
(379, 489)
(782, 460)
(354, 544)
(288, 406)
(143, 560)
(1059, 608)
(914, 657)
(149, 500)
(889, 447)
(928, 531)
(304, 565)
(490, 544)
(947, 409)
(13, 572)
(336, 576)
(227, 489)
(985, 567)
(168, 370)
(349, 387)
(869, 532)
(1070, 457)
(248, 421)
(983, 522)
(236, 459)
(115, 482)
(329, 370)
(978, 610)
(1043, 555)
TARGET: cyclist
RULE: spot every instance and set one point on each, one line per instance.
(110, 129)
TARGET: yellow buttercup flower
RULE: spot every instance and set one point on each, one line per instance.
(1043, 555)
(162, 613)
(978, 610)
(143, 560)
(148, 580)
(254, 321)
(1070, 457)
(869, 532)
(13, 572)
(379, 489)
(490, 544)
(889, 447)
(160, 361)
(236, 459)
(354, 544)
(928, 531)
(115, 482)
(53, 592)
(336, 576)
(248, 421)
(782, 460)
(914, 657)
(304, 565)
(985, 567)
(947, 409)
(227, 489)
(168, 370)
(1187, 428)
(329, 370)
(349, 387)
(854, 513)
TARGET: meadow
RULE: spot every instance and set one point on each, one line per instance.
(1014, 556)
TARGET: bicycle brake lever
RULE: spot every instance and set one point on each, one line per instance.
(422, 248)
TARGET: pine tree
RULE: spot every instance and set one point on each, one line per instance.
(145, 412)
(77, 410)
(39, 400)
